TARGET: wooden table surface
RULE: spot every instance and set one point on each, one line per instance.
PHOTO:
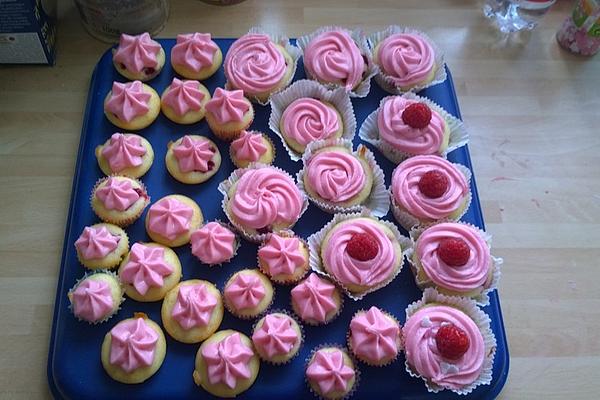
(534, 117)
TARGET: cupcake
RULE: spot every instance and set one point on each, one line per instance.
(226, 364)
(214, 243)
(133, 350)
(277, 338)
(101, 246)
(196, 56)
(316, 300)
(374, 337)
(258, 66)
(330, 373)
(248, 293)
(171, 220)
(428, 188)
(251, 146)
(184, 102)
(192, 159)
(125, 154)
(192, 311)
(149, 271)
(138, 58)
(96, 297)
(132, 105)
(119, 200)
(283, 258)
(228, 113)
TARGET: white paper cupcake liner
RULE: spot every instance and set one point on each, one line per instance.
(236, 243)
(354, 361)
(287, 233)
(378, 201)
(363, 88)
(289, 314)
(315, 240)
(369, 131)
(313, 89)
(265, 136)
(87, 275)
(481, 319)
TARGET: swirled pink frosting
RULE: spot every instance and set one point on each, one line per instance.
(249, 146)
(169, 217)
(334, 57)
(96, 242)
(92, 300)
(213, 243)
(137, 52)
(406, 58)
(422, 353)
(276, 336)
(246, 290)
(227, 361)
(336, 176)
(306, 120)
(254, 64)
(282, 255)
(394, 131)
(123, 151)
(349, 270)
(374, 336)
(406, 193)
(146, 268)
(194, 306)
(194, 51)
(328, 371)
(194, 154)
(133, 344)
(117, 194)
(464, 278)
(128, 100)
(313, 298)
(265, 196)
(184, 96)
(228, 105)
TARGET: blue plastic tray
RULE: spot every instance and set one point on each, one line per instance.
(74, 367)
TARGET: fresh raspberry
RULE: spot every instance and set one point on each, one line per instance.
(452, 342)
(454, 251)
(417, 115)
(433, 184)
(362, 247)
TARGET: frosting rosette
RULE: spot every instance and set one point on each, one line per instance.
(406, 58)
(194, 51)
(306, 120)
(336, 176)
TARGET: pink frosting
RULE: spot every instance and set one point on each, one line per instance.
(137, 52)
(406, 193)
(194, 51)
(249, 146)
(328, 371)
(194, 154)
(96, 242)
(276, 336)
(184, 96)
(133, 344)
(92, 300)
(194, 306)
(334, 57)
(422, 353)
(128, 100)
(282, 255)
(349, 270)
(402, 136)
(169, 217)
(336, 176)
(228, 105)
(306, 120)
(146, 268)
(227, 361)
(474, 274)
(374, 336)
(265, 196)
(117, 194)
(246, 290)
(213, 243)
(254, 64)
(123, 151)
(313, 298)
(406, 58)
